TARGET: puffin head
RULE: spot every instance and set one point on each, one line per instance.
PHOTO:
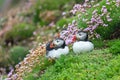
(57, 43)
(81, 36)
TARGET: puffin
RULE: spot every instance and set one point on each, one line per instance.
(56, 48)
(82, 44)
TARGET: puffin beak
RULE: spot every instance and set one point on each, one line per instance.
(58, 35)
(74, 38)
(52, 45)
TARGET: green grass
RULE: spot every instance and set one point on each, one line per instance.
(98, 65)
(17, 54)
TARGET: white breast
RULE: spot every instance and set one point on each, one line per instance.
(82, 46)
(57, 53)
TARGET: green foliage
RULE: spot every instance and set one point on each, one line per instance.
(2, 57)
(17, 53)
(98, 65)
(98, 43)
(61, 22)
(2, 21)
(115, 47)
(51, 5)
(112, 42)
(83, 67)
(20, 32)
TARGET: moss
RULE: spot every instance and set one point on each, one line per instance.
(97, 65)
(115, 47)
(17, 53)
(61, 22)
(20, 32)
(99, 43)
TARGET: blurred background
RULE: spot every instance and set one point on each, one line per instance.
(25, 24)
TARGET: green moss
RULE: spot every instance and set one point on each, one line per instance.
(20, 32)
(96, 65)
(61, 22)
(115, 47)
(98, 43)
(17, 53)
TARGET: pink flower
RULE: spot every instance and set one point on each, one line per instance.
(10, 73)
(68, 41)
(104, 9)
(93, 19)
(86, 0)
(95, 26)
(108, 18)
(97, 35)
(107, 2)
(63, 13)
(87, 29)
(73, 12)
(117, 3)
(105, 25)
(94, 12)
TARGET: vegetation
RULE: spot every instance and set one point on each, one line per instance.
(17, 54)
(98, 64)
(39, 21)
(115, 47)
(113, 11)
(19, 32)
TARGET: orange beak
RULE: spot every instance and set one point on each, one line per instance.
(58, 35)
(52, 45)
(74, 38)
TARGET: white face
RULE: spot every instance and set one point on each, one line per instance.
(58, 42)
(81, 36)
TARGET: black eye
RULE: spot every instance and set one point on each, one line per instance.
(57, 41)
(79, 34)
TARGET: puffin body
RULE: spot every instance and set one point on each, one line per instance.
(57, 53)
(82, 44)
(56, 48)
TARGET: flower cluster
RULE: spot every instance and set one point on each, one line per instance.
(68, 33)
(27, 64)
(80, 7)
(97, 20)
(117, 3)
